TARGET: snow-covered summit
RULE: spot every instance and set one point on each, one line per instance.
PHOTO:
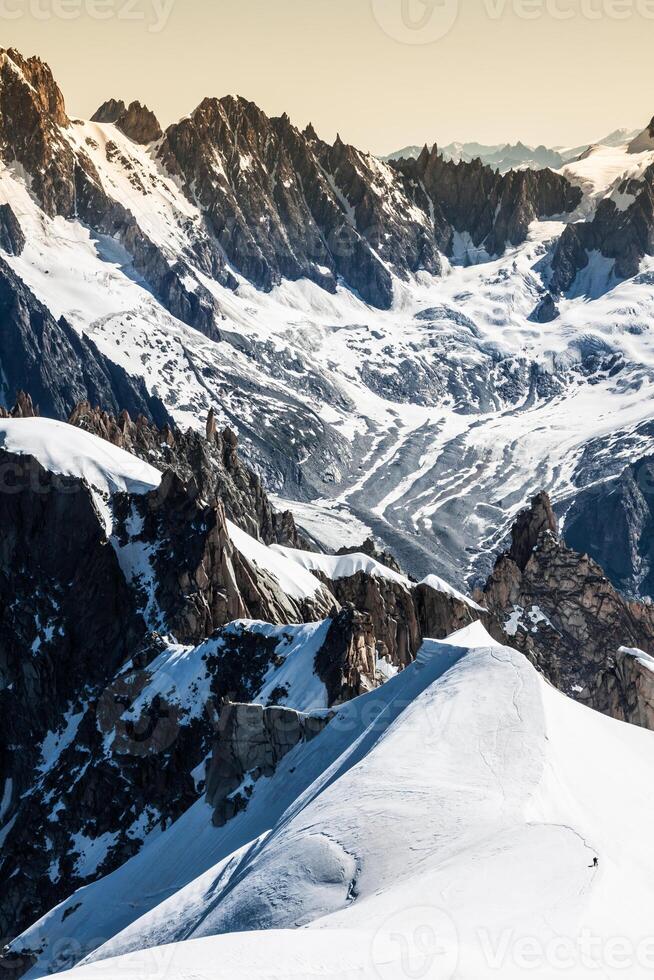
(68, 451)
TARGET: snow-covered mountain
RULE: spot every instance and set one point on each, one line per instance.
(294, 400)
(465, 800)
(428, 423)
(178, 688)
(515, 156)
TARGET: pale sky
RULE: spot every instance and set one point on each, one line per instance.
(346, 64)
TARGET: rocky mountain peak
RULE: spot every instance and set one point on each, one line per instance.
(558, 607)
(537, 519)
(109, 112)
(32, 115)
(140, 124)
(136, 120)
(23, 409)
(425, 153)
(37, 75)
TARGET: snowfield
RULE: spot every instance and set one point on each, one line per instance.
(444, 825)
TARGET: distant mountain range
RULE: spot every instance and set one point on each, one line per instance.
(514, 156)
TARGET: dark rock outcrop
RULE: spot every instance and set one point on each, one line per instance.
(644, 141)
(346, 662)
(201, 580)
(369, 547)
(392, 611)
(546, 311)
(398, 616)
(626, 236)
(624, 688)
(32, 114)
(12, 239)
(23, 409)
(494, 209)
(211, 461)
(136, 120)
(559, 608)
(109, 112)
(67, 623)
(57, 366)
(538, 519)
(252, 740)
(440, 614)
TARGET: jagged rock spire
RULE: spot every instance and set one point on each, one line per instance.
(212, 428)
(23, 409)
(529, 526)
(109, 112)
(135, 120)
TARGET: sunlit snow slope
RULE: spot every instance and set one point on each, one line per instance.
(445, 825)
(453, 814)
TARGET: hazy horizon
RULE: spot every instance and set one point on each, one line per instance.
(353, 66)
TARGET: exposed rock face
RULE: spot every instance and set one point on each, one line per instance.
(23, 409)
(392, 611)
(136, 120)
(251, 742)
(529, 526)
(58, 367)
(398, 616)
(67, 622)
(32, 111)
(76, 654)
(34, 133)
(495, 210)
(269, 204)
(547, 311)
(441, 614)
(624, 689)
(211, 461)
(284, 204)
(613, 522)
(346, 663)
(201, 581)
(626, 236)
(12, 239)
(277, 202)
(561, 610)
(109, 112)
